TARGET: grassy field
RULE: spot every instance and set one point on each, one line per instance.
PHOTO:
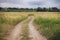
(49, 24)
(8, 21)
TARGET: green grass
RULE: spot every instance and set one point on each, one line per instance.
(9, 19)
(25, 31)
(50, 27)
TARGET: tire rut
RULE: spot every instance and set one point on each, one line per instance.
(34, 34)
(17, 31)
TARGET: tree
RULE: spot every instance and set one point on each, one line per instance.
(54, 9)
(0, 8)
(45, 9)
(39, 9)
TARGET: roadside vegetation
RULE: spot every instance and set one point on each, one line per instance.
(38, 9)
(25, 30)
(8, 21)
(25, 33)
(49, 26)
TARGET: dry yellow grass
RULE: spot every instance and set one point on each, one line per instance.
(8, 20)
(12, 18)
(48, 14)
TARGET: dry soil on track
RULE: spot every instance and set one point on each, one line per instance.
(33, 33)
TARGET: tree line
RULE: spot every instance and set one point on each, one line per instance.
(39, 9)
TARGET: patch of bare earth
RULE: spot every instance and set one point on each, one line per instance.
(16, 33)
(34, 34)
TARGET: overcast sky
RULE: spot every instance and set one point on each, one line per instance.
(30, 3)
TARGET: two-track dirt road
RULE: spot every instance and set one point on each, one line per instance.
(33, 33)
(17, 31)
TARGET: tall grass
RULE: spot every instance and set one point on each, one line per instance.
(50, 27)
(25, 30)
(8, 21)
(12, 18)
(25, 33)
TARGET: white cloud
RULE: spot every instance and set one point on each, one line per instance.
(14, 5)
(8, 5)
(30, 3)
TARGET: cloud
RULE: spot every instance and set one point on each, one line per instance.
(30, 3)
(2, 1)
(14, 5)
(9, 5)
(35, 3)
(54, 3)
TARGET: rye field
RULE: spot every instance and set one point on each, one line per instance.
(47, 23)
(8, 21)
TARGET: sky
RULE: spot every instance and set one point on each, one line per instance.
(30, 3)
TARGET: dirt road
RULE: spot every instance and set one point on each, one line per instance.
(34, 34)
(17, 31)
(15, 34)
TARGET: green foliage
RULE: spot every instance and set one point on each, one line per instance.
(56, 36)
(25, 31)
(3, 20)
(49, 27)
(38, 9)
